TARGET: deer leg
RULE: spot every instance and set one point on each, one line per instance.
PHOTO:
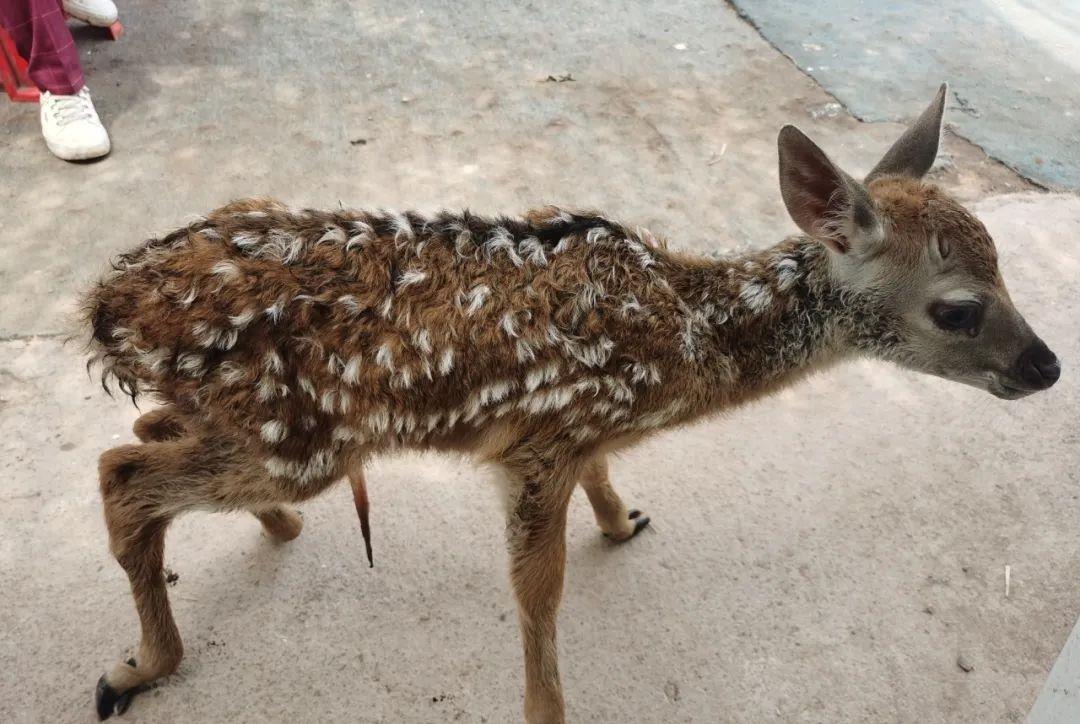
(143, 487)
(280, 522)
(164, 423)
(536, 534)
(615, 521)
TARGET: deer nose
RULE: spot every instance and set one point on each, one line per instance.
(1038, 366)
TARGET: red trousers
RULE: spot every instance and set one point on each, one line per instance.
(41, 36)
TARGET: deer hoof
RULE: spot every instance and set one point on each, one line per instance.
(109, 701)
(641, 522)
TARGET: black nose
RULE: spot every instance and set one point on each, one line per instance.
(1037, 366)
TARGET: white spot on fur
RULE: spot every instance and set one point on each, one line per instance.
(328, 401)
(463, 241)
(446, 361)
(334, 235)
(190, 363)
(509, 325)
(155, 359)
(500, 239)
(387, 307)
(643, 373)
(533, 250)
(422, 341)
(244, 318)
(597, 233)
(231, 373)
(267, 389)
(342, 433)
(787, 273)
(285, 246)
(541, 375)
(410, 277)
(402, 228)
(403, 379)
(351, 374)
(306, 386)
(384, 357)
(756, 296)
(564, 243)
(351, 305)
(477, 295)
(644, 256)
(592, 355)
(274, 310)
(246, 240)
(318, 466)
(547, 400)
(378, 421)
(361, 233)
(618, 389)
(588, 384)
(274, 431)
(273, 363)
(524, 351)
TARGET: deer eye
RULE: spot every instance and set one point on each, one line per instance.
(957, 316)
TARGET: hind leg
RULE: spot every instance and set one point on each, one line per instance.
(280, 523)
(143, 487)
(615, 521)
(166, 423)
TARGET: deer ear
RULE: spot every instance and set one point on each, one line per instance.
(824, 201)
(914, 152)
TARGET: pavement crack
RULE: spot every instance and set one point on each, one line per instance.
(961, 104)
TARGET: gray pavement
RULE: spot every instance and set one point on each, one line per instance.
(826, 555)
(1013, 65)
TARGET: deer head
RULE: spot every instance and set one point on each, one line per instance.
(918, 262)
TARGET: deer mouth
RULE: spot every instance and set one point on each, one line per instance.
(1009, 390)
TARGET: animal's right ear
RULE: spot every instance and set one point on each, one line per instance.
(825, 202)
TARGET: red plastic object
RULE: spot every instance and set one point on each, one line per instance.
(13, 75)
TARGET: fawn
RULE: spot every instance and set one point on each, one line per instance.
(290, 346)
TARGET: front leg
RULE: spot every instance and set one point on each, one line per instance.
(536, 533)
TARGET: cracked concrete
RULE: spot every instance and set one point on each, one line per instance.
(822, 556)
(1012, 65)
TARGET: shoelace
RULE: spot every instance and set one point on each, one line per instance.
(68, 109)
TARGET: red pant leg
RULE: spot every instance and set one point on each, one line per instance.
(41, 36)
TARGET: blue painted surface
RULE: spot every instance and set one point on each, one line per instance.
(1013, 67)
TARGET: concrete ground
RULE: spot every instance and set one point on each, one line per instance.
(824, 556)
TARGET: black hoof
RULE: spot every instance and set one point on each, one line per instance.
(109, 701)
(641, 522)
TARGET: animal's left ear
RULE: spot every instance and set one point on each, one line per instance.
(914, 152)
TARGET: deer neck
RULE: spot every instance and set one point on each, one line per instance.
(761, 320)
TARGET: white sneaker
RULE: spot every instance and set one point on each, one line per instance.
(71, 126)
(96, 12)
